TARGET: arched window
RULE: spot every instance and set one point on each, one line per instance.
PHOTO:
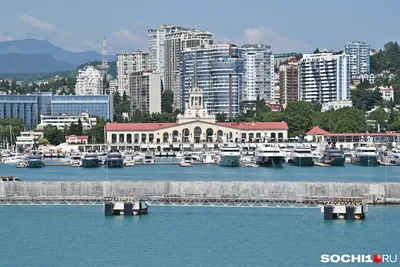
(121, 138)
(129, 138)
(165, 137)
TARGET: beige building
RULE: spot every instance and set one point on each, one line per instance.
(195, 126)
(145, 91)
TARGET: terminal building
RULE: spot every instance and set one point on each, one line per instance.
(195, 127)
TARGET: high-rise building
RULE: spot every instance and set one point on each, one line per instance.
(145, 91)
(23, 107)
(324, 77)
(359, 53)
(89, 81)
(156, 38)
(175, 43)
(219, 75)
(128, 63)
(289, 82)
(258, 79)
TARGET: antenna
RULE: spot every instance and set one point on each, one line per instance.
(104, 63)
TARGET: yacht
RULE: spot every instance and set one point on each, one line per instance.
(209, 158)
(187, 159)
(393, 156)
(229, 154)
(102, 157)
(333, 156)
(366, 155)
(114, 160)
(302, 155)
(128, 158)
(75, 159)
(16, 159)
(197, 156)
(90, 160)
(35, 161)
(138, 157)
(269, 155)
(148, 159)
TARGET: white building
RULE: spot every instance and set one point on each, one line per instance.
(324, 77)
(113, 86)
(145, 91)
(259, 75)
(156, 38)
(359, 53)
(28, 139)
(128, 63)
(65, 120)
(387, 92)
(173, 45)
(89, 81)
(336, 105)
(367, 77)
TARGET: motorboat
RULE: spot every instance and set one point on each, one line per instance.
(35, 161)
(102, 156)
(148, 159)
(196, 156)
(16, 159)
(302, 155)
(393, 156)
(209, 158)
(90, 160)
(366, 155)
(114, 160)
(333, 156)
(229, 154)
(138, 158)
(269, 155)
(128, 158)
(187, 159)
(178, 154)
(75, 159)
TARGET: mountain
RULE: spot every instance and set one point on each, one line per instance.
(32, 63)
(34, 46)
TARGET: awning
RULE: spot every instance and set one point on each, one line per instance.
(176, 145)
(186, 145)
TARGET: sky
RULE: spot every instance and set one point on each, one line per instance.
(298, 26)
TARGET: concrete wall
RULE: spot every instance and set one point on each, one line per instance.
(374, 192)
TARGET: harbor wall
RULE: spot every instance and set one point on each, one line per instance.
(379, 193)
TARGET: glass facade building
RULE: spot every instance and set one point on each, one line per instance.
(30, 107)
(219, 75)
(359, 55)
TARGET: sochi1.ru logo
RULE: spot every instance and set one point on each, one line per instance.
(358, 258)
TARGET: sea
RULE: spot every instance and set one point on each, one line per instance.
(194, 236)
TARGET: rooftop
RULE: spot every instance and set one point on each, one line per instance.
(318, 131)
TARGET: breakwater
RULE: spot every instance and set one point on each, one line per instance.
(377, 193)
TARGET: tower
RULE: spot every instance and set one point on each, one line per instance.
(104, 63)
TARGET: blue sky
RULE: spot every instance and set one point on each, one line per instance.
(300, 26)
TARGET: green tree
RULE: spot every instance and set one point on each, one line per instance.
(53, 134)
(298, 115)
(167, 100)
(220, 117)
(380, 117)
(273, 117)
(43, 142)
(348, 120)
(366, 99)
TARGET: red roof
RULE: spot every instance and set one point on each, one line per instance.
(79, 137)
(138, 126)
(318, 131)
(156, 126)
(256, 125)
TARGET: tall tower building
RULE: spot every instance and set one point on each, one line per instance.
(289, 82)
(156, 38)
(89, 81)
(145, 93)
(324, 77)
(128, 63)
(359, 54)
(173, 45)
(104, 61)
(258, 77)
(219, 75)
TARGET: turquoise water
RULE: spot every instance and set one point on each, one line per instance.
(188, 236)
(209, 172)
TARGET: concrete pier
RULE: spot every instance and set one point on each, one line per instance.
(373, 193)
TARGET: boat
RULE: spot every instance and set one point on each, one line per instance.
(35, 161)
(229, 154)
(269, 155)
(128, 158)
(16, 159)
(302, 155)
(102, 156)
(114, 160)
(366, 155)
(187, 159)
(90, 160)
(75, 159)
(209, 158)
(138, 158)
(393, 156)
(178, 154)
(148, 159)
(197, 157)
(333, 156)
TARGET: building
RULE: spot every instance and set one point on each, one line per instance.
(89, 81)
(174, 43)
(145, 91)
(336, 105)
(359, 54)
(65, 120)
(367, 77)
(387, 92)
(101, 106)
(76, 139)
(283, 57)
(156, 38)
(25, 107)
(324, 77)
(113, 86)
(258, 79)
(128, 63)
(28, 140)
(195, 129)
(219, 75)
(289, 82)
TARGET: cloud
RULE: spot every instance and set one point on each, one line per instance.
(278, 43)
(36, 23)
(91, 44)
(126, 35)
(4, 38)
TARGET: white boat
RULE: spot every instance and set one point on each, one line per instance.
(13, 159)
(102, 157)
(393, 156)
(148, 159)
(178, 154)
(196, 156)
(247, 159)
(138, 157)
(229, 154)
(209, 158)
(128, 158)
(75, 159)
(187, 159)
(366, 155)
(302, 155)
(269, 155)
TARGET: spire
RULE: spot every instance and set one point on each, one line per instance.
(195, 85)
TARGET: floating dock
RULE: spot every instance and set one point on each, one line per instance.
(345, 208)
(125, 207)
